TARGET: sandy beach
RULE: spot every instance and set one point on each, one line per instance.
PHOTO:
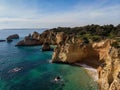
(90, 70)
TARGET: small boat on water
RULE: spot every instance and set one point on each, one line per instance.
(15, 69)
(57, 78)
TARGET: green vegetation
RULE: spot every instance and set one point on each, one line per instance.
(92, 32)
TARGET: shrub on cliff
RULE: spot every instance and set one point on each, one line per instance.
(101, 31)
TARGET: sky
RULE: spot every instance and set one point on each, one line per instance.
(58, 13)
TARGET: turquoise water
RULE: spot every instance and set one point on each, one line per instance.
(36, 73)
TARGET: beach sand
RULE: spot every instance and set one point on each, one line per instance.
(90, 70)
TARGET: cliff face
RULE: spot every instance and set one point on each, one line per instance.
(100, 55)
(60, 37)
(38, 39)
(49, 37)
(109, 73)
(78, 51)
(72, 53)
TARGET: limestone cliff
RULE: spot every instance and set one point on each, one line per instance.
(99, 55)
(78, 51)
(109, 73)
(72, 53)
(71, 49)
(50, 37)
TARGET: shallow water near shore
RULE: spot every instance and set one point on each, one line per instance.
(27, 68)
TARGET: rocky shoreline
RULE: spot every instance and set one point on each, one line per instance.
(10, 38)
(102, 55)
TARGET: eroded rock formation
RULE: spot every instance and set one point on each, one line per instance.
(46, 47)
(72, 53)
(99, 55)
(50, 37)
(38, 39)
(70, 49)
(14, 36)
(109, 72)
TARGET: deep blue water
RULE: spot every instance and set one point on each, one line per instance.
(35, 71)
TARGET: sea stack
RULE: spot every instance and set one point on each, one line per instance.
(46, 47)
(11, 37)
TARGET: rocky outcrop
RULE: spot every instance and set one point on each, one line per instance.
(38, 39)
(77, 51)
(14, 36)
(72, 53)
(49, 37)
(46, 47)
(60, 37)
(109, 72)
(29, 41)
(101, 56)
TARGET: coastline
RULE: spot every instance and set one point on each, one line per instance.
(90, 70)
(82, 52)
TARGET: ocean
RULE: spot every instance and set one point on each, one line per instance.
(28, 68)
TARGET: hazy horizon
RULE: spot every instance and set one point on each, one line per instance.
(54, 13)
(20, 28)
